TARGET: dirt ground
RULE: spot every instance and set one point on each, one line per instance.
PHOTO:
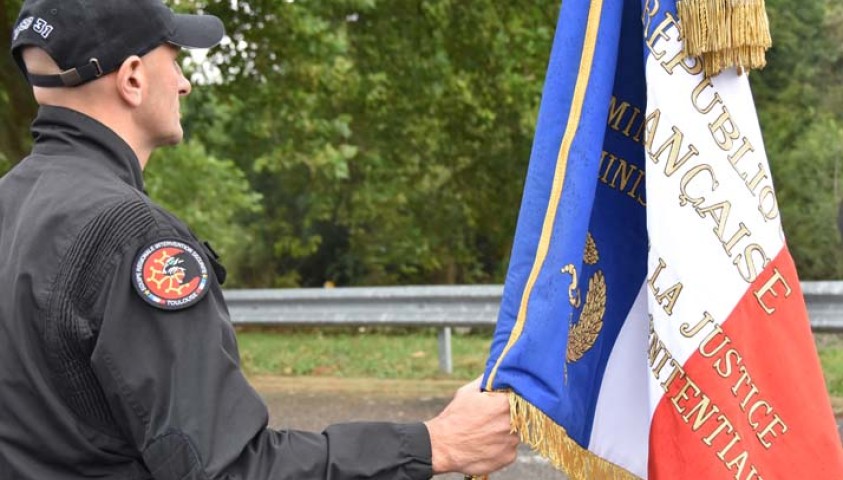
(312, 403)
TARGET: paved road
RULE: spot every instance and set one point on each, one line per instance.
(314, 403)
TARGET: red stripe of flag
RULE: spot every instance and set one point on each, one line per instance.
(751, 402)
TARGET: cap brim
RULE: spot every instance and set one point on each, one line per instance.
(197, 31)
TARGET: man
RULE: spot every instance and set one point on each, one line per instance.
(117, 357)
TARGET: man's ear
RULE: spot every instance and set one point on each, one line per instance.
(131, 81)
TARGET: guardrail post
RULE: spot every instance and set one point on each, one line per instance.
(446, 363)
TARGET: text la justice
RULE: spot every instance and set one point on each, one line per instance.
(699, 411)
(729, 364)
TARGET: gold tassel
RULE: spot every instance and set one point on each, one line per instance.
(725, 33)
(551, 440)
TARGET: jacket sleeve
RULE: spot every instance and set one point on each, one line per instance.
(173, 383)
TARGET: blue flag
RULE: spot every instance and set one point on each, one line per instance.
(581, 236)
(650, 286)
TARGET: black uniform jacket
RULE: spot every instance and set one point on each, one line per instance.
(98, 382)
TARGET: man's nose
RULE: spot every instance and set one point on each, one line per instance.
(184, 86)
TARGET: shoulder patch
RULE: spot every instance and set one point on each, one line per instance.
(170, 275)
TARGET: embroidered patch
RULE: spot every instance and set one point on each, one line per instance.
(170, 275)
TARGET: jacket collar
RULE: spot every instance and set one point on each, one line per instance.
(59, 130)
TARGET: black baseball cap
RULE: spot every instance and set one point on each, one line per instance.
(90, 38)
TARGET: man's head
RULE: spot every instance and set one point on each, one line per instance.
(115, 60)
(90, 38)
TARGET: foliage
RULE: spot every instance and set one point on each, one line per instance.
(809, 199)
(385, 142)
(800, 101)
(207, 193)
(381, 134)
(16, 102)
(833, 28)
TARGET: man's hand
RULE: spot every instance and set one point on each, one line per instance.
(473, 434)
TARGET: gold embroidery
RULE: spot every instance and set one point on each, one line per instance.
(595, 12)
(583, 334)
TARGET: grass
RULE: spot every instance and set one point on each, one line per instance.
(359, 353)
(366, 353)
(830, 347)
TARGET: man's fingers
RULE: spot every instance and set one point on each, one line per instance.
(473, 434)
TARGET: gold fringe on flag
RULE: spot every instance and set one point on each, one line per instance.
(550, 440)
(725, 33)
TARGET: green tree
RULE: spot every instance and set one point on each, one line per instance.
(208, 194)
(16, 102)
(800, 102)
(389, 139)
(809, 190)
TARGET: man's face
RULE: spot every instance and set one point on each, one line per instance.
(160, 115)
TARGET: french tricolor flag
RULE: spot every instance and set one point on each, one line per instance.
(652, 323)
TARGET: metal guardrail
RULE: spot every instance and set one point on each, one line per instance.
(434, 306)
(825, 305)
(443, 307)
